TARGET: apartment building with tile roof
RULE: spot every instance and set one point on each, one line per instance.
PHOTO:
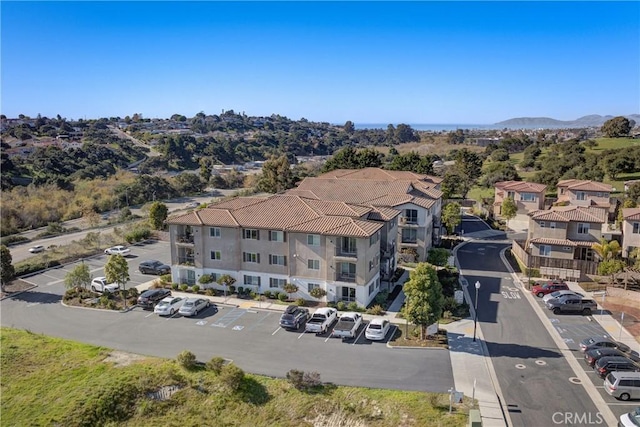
(528, 196)
(578, 192)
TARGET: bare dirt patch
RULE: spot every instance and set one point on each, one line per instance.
(14, 287)
(122, 358)
(631, 310)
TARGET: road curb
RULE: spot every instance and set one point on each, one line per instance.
(96, 309)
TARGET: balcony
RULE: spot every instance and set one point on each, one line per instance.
(345, 253)
(406, 221)
(185, 239)
(346, 277)
(186, 260)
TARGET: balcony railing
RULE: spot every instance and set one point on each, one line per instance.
(408, 221)
(186, 260)
(345, 277)
(185, 238)
(346, 253)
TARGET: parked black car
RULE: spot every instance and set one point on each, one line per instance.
(154, 267)
(604, 365)
(592, 356)
(150, 297)
(293, 317)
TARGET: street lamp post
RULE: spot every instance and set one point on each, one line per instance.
(475, 314)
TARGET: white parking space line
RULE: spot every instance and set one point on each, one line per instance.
(259, 321)
(302, 334)
(330, 335)
(276, 331)
(149, 315)
(173, 316)
(364, 328)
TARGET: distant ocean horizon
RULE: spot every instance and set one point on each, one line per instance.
(444, 127)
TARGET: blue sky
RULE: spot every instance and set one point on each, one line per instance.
(369, 62)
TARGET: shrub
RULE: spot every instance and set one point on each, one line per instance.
(376, 310)
(301, 302)
(187, 359)
(205, 278)
(232, 289)
(184, 287)
(353, 306)
(133, 293)
(232, 376)
(282, 297)
(9, 240)
(341, 306)
(253, 295)
(165, 278)
(303, 380)
(438, 256)
(318, 293)
(332, 304)
(195, 288)
(157, 284)
(446, 315)
(138, 234)
(267, 293)
(240, 290)
(450, 304)
(174, 286)
(215, 364)
(382, 297)
(210, 292)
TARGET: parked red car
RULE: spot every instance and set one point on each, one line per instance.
(542, 289)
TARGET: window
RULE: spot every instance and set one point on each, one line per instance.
(313, 264)
(248, 233)
(215, 276)
(313, 239)
(411, 215)
(527, 197)
(566, 248)
(276, 283)
(250, 257)
(347, 269)
(252, 280)
(409, 235)
(543, 224)
(348, 245)
(312, 286)
(215, 255)
(511, 195)
(277, 260)
(636, 228)
(373, 239)
(214, 232)
(583, 228)
(545, 250)
(581, 195)
(552, 225)
(276, 236)
(370, 265)
(371, 289)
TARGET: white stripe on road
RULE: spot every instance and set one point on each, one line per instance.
(276, 331)
(364, 328)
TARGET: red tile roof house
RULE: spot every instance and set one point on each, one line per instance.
(528, 196)
(578, 192)
(560, 240)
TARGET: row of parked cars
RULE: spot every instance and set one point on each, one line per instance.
(165, 304)
(557, 297)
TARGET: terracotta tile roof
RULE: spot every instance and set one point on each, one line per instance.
(578, 184)
(338, 226)
(562, 242)
(382, 213)
(328, 207)
(353, 191)
(431, 192)
(632, 214)
(303, 193)
(207, 216)
(378, 174)
(520, 186)
(571, 213)
(237, 202)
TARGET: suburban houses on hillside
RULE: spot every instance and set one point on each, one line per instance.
(342, 232)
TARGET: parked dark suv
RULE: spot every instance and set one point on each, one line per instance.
(150, 297)
(293, 317)
(154, 267)
(604, 365)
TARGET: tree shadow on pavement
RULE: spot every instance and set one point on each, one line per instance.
(37, 297)
(463, 343)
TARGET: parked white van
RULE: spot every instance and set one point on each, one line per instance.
(623, 385)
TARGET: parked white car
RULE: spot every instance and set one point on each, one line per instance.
(377, 329)
(118, 250)
(99, 284)
(168, 306)
(192, 306)
(558, 294)
(321, 320)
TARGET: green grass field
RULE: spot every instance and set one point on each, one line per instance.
(50, 381)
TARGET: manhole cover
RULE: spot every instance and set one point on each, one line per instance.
(575, 380)
(541, 362)
(520, 366)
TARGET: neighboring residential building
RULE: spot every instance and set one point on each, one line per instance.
(584, 193)
(528, 196)
(630, 230)
(266, 242)
(628, 184)
(417, 196)
(562, 238)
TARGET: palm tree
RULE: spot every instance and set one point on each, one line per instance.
(608, 253)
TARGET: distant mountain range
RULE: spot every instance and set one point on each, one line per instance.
(586, 121)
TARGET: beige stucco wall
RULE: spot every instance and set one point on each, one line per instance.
(628, 238)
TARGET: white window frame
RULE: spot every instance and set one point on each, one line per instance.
(277, 259)
(313, 239)
(276, 236)
(313, 263)
(251, 257)
(250, 280)
(274, 282)
(527, 197)
(251, 234)
(215, 232)
(545, 250)
(216, 255)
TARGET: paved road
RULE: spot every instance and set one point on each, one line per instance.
(249, 337)
(536, 381)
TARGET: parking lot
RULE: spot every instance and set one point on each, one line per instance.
(573, 329)
(250, 337)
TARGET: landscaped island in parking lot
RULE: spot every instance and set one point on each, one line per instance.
(50, 381)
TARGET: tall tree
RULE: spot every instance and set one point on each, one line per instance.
(226, 280)
(608, 253)
(79, 277)
(158, 213)
(616, 127)
(451, 217)
(6, 267)
(509, 209)
(469, 168)
(116, 270)
(424, 298)
(276, 175)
